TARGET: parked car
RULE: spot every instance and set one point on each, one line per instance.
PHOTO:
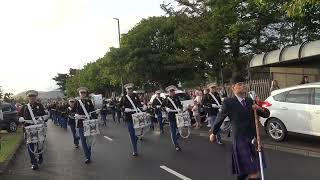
(9, 121)
(294, 109)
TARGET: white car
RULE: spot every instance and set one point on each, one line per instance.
(185, 99)
(293, 109)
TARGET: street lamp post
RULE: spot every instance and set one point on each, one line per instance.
(119, 35)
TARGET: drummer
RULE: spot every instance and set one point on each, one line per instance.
(88, 105)
(38, 110)
(128, 108)
(156, 104)
(171, 103)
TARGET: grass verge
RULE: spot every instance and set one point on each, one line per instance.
(9, 143)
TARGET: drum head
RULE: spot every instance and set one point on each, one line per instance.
(97, 101)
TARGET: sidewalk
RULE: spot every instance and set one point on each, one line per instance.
(296, 144)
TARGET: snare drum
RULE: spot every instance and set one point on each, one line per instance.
(91, 127)
(35, 133)
(141, 120)
(183, 119)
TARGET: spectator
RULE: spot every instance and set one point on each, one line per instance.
(196, 114)
(274, 85)
(305, 80)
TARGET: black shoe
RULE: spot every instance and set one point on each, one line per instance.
(140, 138)
(178, 148)
(34, 167)
(87, 161)
(134, 154)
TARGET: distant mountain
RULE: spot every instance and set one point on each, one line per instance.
(44, 94)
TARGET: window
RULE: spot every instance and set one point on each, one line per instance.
(6, 109)
(300, 96)
(317, 96)
(280, 97)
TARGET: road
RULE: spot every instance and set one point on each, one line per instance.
(112, 159)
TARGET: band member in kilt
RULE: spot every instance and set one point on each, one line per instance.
(128, 109)
(38, 110)
(169, 104)
(88, 105)
(240, 110)
(72, 122)
(157, 105)
(212, 102)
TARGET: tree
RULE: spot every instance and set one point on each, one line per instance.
(8, 97)
(1, 93)
(61, 79)
(226, 34)
(299, 8)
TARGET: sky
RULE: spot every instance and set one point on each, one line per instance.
(40, 38)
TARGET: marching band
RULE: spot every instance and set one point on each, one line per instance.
(82, 117)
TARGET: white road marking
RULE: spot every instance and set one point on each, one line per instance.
(175, 173)
(108, 138)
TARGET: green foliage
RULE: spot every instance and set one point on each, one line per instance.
(1, 93)
(8, 97)
(196, 42)
(21, 100)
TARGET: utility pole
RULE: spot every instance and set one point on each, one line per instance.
(119, 36)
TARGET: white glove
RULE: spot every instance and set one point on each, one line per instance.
(21, 119)
(144, 108)
(215, 106)
(77, 116)
(128, 110)
(168, 110)
(98, 111)
(45, 117)
(158, 106)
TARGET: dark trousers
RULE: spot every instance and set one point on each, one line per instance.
(133, 137)
(173, 128)
(118, 115)
(160, 120)
(63, 122)
(74, 134)
(113, 113)
(33, 159)
(54, 117)
(86, 148)
(104, 118)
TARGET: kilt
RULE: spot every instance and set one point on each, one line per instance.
(245, 159)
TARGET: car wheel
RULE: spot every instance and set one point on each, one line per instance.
(276, 130)
(12, 126)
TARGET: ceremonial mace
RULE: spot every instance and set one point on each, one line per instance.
(253, 96)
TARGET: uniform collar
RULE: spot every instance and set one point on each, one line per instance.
(240, 99)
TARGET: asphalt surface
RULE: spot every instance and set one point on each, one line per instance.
(112, 159)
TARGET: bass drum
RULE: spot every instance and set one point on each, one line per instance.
(97, 101)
